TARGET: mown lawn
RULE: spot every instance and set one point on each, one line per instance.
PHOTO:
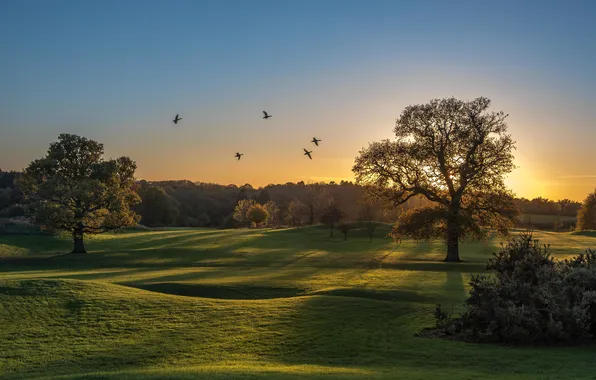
(285, 304)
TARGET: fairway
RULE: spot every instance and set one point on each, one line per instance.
(284, 303)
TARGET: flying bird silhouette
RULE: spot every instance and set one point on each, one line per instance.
(177, 118)
(267, 116)
(314, 139)
(307, 153)
(239, 155)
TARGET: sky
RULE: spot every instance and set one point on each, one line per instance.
(342, 71)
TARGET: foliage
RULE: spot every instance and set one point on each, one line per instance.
(456, 155)
(586, 216)
(229, 222)
(157, 209)
(331, 215)
(241, 211)
(295, 214)
(530, 298)
(257, 214)
(263, 197)
(73, 189)
(312, 203)
(273, 212)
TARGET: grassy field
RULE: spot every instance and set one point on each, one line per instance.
(251, 304)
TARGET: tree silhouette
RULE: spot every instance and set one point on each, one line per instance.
(455, 154)
(312, 203)
(367, 216)
(332, 214)
(344, 228)
(73, 189)
(586, 216)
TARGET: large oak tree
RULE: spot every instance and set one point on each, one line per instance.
(454, 153)
(74, 189)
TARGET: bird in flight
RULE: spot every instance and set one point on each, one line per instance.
(267, 116)
(239, 155)
(314, 139)
(177, 118)
(307, 153)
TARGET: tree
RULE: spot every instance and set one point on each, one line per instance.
(263, 197)
(332, 214)
(344, 228)
(295, 213)
(455, 154)
(367, 216)
(586, 216)
(273, 212)
(157, 208)
(312, 203)
(241, 211)
(74, 189)
(257, 214)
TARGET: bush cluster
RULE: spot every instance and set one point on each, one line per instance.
(528, 298)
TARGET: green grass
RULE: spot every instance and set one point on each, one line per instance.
(284, 304)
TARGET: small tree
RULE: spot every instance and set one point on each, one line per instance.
(345, 228)
(455, 154)
(312, 203)
(241, 211)
(257, 214)
(73, 189)
(295, 213)
(586, 216)
(332, 214)
(367, 216)
(273, 212)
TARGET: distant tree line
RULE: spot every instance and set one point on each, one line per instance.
(545, 206)
(199, 204)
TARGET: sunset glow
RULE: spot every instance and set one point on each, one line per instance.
(119, 72)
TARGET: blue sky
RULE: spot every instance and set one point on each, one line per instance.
(118, 71)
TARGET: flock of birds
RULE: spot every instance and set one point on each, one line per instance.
(266, 116)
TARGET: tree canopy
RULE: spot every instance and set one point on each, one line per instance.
(74, 189)
(332, 214)
(455, 154)
(257, 214)
(586, 216)
(241, 211)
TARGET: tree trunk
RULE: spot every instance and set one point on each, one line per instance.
(79, 244)
(452, 239)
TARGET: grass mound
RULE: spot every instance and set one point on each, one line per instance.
(257, 304)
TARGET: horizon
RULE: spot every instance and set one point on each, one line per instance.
(341, 71)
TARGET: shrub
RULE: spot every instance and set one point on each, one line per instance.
(529, 298)
(257, 214)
